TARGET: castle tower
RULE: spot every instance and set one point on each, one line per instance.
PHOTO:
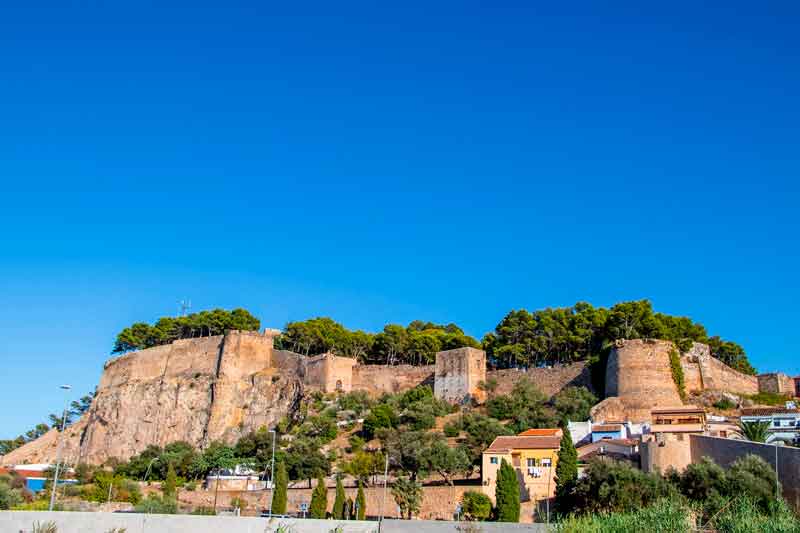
(458, 373)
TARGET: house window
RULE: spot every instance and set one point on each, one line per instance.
(493, 460)
(532, 463)
(546, 462)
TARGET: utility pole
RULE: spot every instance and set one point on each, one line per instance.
(385, 477)
(58, 448)
(185, 306)
(272, 474)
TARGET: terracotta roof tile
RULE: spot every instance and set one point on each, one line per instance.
(543, 432)
(607, 427)
(501, 444)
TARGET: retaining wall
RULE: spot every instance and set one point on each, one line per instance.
(726, 451)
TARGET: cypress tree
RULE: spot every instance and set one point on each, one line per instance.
(349, 512)
(319, 499)
(170, 485)
(566, 470)
(281, 487)
(361, 502)
(507, 494)
(338, 503)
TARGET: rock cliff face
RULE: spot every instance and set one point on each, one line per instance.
(196, 390)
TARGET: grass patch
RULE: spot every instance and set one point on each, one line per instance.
(769, 398)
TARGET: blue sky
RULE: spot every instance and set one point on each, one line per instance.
(377, 164)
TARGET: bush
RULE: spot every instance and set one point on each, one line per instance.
(381, 416)
(157, 505)
(574, 403)
(190, 486)
(745, 515)
(9, 497)
(613, 486)
(769, 398)
(204, 511)
(724, 404)
(476, 506)
(452, 429)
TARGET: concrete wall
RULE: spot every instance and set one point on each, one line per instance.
(22, 521)
(726, 451)
(438, 502)
(458, 373)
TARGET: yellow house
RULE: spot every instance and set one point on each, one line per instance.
(534, 459)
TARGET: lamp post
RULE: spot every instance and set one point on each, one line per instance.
(272, 474)
(58, 448)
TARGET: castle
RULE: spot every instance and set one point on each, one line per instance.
(220, 388)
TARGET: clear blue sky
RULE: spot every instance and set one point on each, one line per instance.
(377, 164)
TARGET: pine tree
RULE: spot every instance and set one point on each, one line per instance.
(169, 488)
(566, 470)
(361, 503)
(338, 503)
(281, 489)
(507, 494)
(319, 499)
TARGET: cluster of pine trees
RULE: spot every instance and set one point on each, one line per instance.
(415, 344)
(168, 329)
(582, 332)
(521, 339)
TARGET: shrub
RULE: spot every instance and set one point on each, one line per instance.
(677, 372)
(157, 505)
(574, 403)
(724, 404)
(381, 416)
(452, 429)
(204, 511)
(768, 398)
(476, 506)
(613, 486)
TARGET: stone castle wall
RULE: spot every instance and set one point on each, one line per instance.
(776, 383)
(548, 380)
(458, 373)
(330, 373)
(717, 376)
(391, 379)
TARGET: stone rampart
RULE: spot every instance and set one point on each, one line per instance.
(717, 376)
(638, 373)
(548, 380)
(458, 374)
(391, 379)
(330, 373)
(776, 383)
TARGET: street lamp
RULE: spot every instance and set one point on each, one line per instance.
(272, 474)
(58, 448)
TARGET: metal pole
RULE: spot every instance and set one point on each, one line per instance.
(58, 449)
(110, 485)
(385, 476)
(272, 475)
(777, 484)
